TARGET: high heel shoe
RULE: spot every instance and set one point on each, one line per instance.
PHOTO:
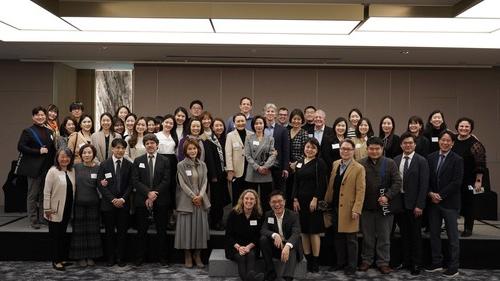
(58, 266)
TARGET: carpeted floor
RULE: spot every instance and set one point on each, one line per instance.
(152, 271)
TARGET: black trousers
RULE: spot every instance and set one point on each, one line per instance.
(57, 233)
(411, 237)
(116, 241)
(269, 251)
(467, 209)
(265, 190)
(238, 186)
(346, 248)
(160, 219)
(278, 181)
(245, 263)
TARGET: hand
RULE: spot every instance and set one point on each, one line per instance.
(293, 165)
(313, 205)
(104, 182)
(149, 203)
(152, 195)
(284, 174)
(355, 216)
(285, 253)
(230, 175)
(48, 213)
(44, 150)
(242, 251)
(197, 200)
(417, 212)
(478, 185)
(383, 200)
(296, 205)
(278, 243)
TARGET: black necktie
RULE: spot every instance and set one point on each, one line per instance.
(151, 170)
(405, 166)
(440, 163)
(118, 174)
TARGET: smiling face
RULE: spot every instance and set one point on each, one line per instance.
(259, 125)
(445, 143)
(151, 126)
(122, 113)
(52, 115)
(340, 128)
(240, 122)
(141, 126)
(310, 150)
(195, 128)
(87, 155)
(387, 126)
(297, 121)
(39, 118)
(151, 146)
(309, 115)
(63, 159)
(180, 118)
(192, 151)
(354, 118)
(245, 106)
(206, 122)
(86, 124)
(464, 128)
(196, 110)
(70, 126)
(168, 124)
(408, 146)
(270, 114)
(319, 119)
(249, 201)
(106, 122)
(129, 123)
(364, 128)
(414, 128)
(282, 116)
(346, 151)
(118, 151)
(218, 127)
(277, 203)
(437, 120)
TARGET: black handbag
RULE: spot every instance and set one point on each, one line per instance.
(395, 204)
(322, 206)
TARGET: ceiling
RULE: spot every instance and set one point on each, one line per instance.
(94, 53)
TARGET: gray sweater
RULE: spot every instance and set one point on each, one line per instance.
(86, 185)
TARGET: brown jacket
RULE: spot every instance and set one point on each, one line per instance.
(352, 195)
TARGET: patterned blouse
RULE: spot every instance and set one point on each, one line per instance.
(297, 144)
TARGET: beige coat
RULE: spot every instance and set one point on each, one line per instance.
(99, 141)
(80, 140)
(352, 196)
(54, 193)
(235, 153)
(360, 151)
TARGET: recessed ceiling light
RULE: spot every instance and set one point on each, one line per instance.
(445, 25)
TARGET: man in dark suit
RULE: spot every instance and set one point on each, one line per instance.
(279, 170)
(414, 171)
(151, 181)
(280, 238)
(37, 151)
(321, 132)
(115, 185)
(446, 173)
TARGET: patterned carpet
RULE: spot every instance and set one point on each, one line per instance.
(152, 271)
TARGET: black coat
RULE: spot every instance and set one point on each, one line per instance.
(241, 230)
(449, 180)
(161, 180)
(34, 164)
(415, 182)
(330, 151)
(282, 146)
(112, 191)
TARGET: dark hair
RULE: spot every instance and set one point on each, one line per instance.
(452, 135)
(349, 141)
(467, 119)
(354, 110)
(223, 136)
(309, 107)
(117, 120)
(429, 124)
(381, 132)
(119, 141)
(189, 141)
(37, 109)
(94, 150)
(147, 121)
(199, 102)
(128, 115)
(132, 142)
(112, 127)
(207, 114)
(275, 193)
(239, 114)
(150, 137)
(191, 120)
(370, 130)
(68, 153)
(183, 110)
(406, 135)
(374, 141)
(246, 98)
(62, 127)
(314, 142)
(122, 106)
(53, 107)
(76, 105)
(255, 119)
(296, 112)
(418, 120)
(81, 120)
(336, 122)
(282, 108)
(173, 132)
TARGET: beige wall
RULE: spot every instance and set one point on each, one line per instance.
(399, 92)
(64, 87)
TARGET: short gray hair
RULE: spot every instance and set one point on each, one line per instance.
(270, 105)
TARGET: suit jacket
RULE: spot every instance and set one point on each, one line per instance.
(99, 141)
(415, 182)
(327, 134)
(34, 164)
(262, 154)
(161, 180)
(290, 226)
(54, 192)
(235, 153)
(352, 196)
(449, 180)
(282, 146)
(112, 191)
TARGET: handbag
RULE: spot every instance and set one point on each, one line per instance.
(322, 206)
(395, 204)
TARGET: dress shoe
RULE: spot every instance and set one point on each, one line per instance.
(434, 268)
(364, 266)
(466, 233)
(336, 267)
(110, 263)
(349, 271)
(58, 266)
(385, 269)
(90, 262)
(415, 270)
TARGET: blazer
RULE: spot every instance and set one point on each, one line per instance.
(330, 150)
(112, 191)
(327, 134)
(99, 141)
(34, 164)
(184, 192)
(261, 154)
(290, 227)
(75, 141)
(161, 180)
(352, 196)
(54, 192)
(235, 153)
(415, 182)
(212, 159)
(449, 180)
(282, 146)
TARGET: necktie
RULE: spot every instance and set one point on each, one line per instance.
(440, 163)
(405, 170)
(151, 170)
(342, 168)
(118, 174)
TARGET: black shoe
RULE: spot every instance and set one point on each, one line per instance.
(434, 268)
(110, 263)
(163, 262)
(450, 273)
(336, 267)
(415, 270)
(315, 264)
(466, 233)
(349, 271)
(259, 276)
(270, 276)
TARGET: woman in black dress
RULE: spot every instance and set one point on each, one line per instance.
(392, 147)
(416, 128)
(474, 155)
(243, 233)
(330, 152)
(309, 185)
(435, 125)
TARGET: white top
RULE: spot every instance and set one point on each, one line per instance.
(166, 145)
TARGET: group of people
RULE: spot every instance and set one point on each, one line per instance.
(289, 176)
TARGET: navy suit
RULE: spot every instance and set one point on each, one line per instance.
(447, 183)
(282, 146)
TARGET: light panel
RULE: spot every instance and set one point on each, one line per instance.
(484, 9)
(445, 25)
(283, 26)
(26, 15)
(140, 24)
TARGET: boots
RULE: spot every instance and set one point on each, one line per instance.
(315, 264)
(309, 262)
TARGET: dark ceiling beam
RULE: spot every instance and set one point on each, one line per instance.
(390, 10)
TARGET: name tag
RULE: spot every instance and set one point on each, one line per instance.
(189, 173)
(435, 139)
(93, 176)
(256, 142)
(141, 165)
(335, 146)
(51, 137)
(253, 222)
(108, 175)
(270, 220)
(236, 145)
(82, 144)
(310, 135)
(62, 178)
(358, 145)
(299, 165)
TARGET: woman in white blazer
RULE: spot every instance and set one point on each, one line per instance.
(58, 196)
(235, 156)
(102, 139)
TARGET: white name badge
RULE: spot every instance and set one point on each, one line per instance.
(335, 145)
(93, 176)
(62, 178)
(270, 220)
(299, 165)
(256, 142)
(51, 137)
(189, 173)
(358, 145)
(435, 139)
(108, 175)
(141, 165)
(253, 222)
(310, 135)
(82, 144)
(236, 145)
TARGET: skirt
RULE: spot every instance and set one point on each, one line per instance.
(192, 230)
(86, 236)
(310, 223)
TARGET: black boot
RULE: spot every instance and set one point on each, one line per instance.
(309, 262)
(315, 264)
